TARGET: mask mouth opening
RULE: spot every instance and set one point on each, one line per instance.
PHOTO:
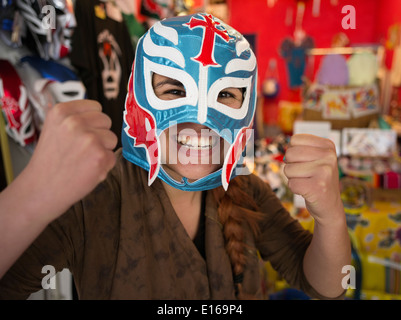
(191, 152)
(189, 138)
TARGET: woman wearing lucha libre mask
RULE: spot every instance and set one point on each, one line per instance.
(172, 215)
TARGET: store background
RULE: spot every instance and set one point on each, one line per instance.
(373, 19)
(375, 219)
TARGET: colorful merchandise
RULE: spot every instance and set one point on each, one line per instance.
(333, 71)
(157, 9)
(378, 233)
(336, 104)
(102, 55)
(288, 112)
(362, 68)
(51, 35)
(343, 104)
(295, 56)
(312, 97)
(48, 82)
(10, 19)
(15, 105)
(368, 142)
(271, 85)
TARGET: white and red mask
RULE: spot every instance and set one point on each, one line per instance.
(15, 105)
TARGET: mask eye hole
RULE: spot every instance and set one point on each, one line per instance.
(166, 88)
(232, 97)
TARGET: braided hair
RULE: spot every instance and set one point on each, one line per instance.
(235, 210)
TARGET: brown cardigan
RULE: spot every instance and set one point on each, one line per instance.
(124, 241)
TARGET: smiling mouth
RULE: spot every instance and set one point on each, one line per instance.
(196, 142)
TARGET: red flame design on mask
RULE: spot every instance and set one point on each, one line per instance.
(142, 128)
(234, 154)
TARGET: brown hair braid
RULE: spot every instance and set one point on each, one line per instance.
(235, 209)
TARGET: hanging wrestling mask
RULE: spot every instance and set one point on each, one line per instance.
(49, 82)
(206, 57)
(51, 24)
(15, 105)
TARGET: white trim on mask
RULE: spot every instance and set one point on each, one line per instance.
(152, 49)
(203, 93)
(228, 82)
(241, 64)
(166, 32)
(190, 86)
(67, 90)
(241, 46)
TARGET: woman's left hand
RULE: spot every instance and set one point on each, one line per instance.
(312, 172)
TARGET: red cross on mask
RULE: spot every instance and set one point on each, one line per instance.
(12, 111)
(206, 54)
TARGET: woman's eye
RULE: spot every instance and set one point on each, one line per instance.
(170, 93)
(176, 92)
(167, 88)
(225, 94)
(231, 97)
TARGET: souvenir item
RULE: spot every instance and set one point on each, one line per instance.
(295, 56)
(366, 101)
(337, 104)
(10, 24)
(102, 56)
(271, 86)
(51, 24)
(368, 142)
(362, 68)
(15, 105)
(49, 82)
(333, 71)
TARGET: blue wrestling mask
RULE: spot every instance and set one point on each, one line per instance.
(206, 56)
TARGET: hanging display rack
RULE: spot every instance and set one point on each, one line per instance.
(342, 50)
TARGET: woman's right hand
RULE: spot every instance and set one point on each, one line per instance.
(74, 153)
